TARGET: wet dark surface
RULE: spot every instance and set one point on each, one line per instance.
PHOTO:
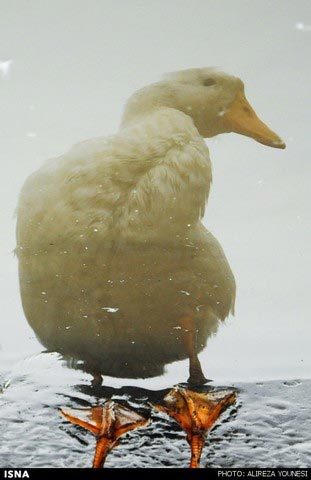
(268, 427)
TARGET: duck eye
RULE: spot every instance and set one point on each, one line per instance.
(208, 82)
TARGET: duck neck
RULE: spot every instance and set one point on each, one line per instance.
(146, 101)
(169, 198)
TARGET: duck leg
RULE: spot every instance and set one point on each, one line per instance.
(97, 379)
(189, 337)
(107, 422)
(90, 368)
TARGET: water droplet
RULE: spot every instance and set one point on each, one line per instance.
(198, 307)
(302, 27)
(5, 67)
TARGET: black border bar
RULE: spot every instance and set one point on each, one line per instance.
(173, 473)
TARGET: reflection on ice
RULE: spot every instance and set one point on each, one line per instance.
(108, 422)
(196, 413)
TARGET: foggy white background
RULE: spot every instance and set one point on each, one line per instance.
(66, 70)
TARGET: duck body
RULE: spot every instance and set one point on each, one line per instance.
(116, 268)
(112, 252)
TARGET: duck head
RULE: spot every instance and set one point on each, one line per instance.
(215, 100)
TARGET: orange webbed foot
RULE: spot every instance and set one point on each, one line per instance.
(196, 413)
(107, 422)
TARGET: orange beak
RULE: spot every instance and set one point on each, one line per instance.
(241, 118)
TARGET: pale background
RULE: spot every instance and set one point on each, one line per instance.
(66, 69)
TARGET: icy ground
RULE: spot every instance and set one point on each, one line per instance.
(269, 427)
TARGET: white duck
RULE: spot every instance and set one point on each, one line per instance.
(115, 265)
